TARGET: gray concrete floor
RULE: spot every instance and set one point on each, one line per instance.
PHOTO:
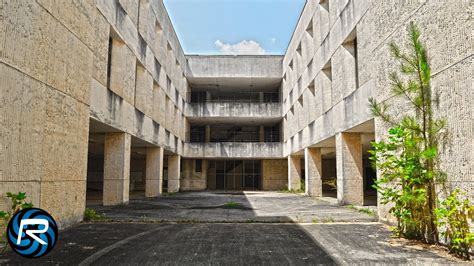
(268, 228)
(255, 206)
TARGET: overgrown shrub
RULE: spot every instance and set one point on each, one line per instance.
(92, 215)
(18, 202)
(454, 215)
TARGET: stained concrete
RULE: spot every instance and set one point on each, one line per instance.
(231, 243)
(254, 206)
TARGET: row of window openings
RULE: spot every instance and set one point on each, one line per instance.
(235, 134)
(253, 97)
(139, 69)
(351, 48)
(324, 4)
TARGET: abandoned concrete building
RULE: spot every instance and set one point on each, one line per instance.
(99, 103)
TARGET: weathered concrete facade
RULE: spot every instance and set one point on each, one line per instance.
(338, 57)
(92, 90)
(68, 70)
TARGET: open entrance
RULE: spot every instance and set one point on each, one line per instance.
(165, 173)
(234, 175)
(369, 172)
(137, 171)
(329, 172)
(95, 169)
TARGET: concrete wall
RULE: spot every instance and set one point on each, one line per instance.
(154, 66)
(274, 174)
(228, 66)
(54, 65)
(318, 102)
(53, 69)
(234, 150)
(192, 180)
(326, 90)
(46, 62)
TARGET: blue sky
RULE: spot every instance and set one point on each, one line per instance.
(234, 26)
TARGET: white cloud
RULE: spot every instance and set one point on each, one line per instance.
(242, 48)
(273, 40)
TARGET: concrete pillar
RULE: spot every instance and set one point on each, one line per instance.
(208, 96)
(349, 169)
(174, 172)
(154, 172)
(116, 168)
(294, 170)
(260, 97)
(313, 172)
(208, 133)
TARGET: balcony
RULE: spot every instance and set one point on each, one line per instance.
(221, 150)
(236, 110)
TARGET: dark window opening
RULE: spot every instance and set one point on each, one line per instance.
(272, 133)
(234, 174)
(198, 166)
(235, 133)
(271, 97)
(198, 134)
(109, 62)
(198, 96)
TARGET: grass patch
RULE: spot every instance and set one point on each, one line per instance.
(361, 209)
(232, 205)
(324, 220)
(92, 215)
(168, 194)
(292, 191)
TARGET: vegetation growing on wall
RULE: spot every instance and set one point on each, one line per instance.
(18, 202)
(407, 159)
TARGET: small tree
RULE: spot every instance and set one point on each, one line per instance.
(407, 160)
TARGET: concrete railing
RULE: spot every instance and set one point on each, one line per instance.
(234, 150)
(233, 109)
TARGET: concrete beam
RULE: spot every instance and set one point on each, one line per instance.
(116, 168)
(174, 173)
(154, 172)
(350, 189)
(313, 172)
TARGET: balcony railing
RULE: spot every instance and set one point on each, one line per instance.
(234, 150)
(234, 109)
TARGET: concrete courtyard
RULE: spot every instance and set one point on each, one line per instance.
(203, 228)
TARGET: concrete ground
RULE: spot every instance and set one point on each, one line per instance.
(253, 206)
(200, 229)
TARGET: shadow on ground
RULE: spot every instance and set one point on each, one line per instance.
(253, 206)
(203, 228)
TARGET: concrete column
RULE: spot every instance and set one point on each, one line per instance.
(116, 168)
(154, 172)
(294, 170)
(262, 134)
(349, 169)
(208, 96)
(260, 96)
(174, 172)
(313, 172)
(208, 133)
